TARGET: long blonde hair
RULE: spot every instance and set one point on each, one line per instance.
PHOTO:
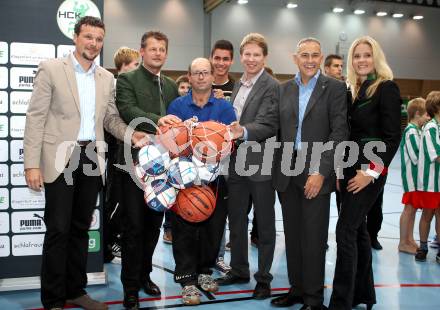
(382, 70)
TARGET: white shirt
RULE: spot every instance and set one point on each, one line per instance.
(243, 93)
(85, 82)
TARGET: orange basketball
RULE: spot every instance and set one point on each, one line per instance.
(210, 141)
(195, 204)
(175, 139)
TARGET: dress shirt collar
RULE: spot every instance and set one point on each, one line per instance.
(249, 83)
(147, 70)
(78, 68)
(312, 80)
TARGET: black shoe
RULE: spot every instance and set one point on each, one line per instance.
(286, 300)
(309, 307)
(151, 288)
(262, 291)
(108, 255)
(376, 245)
(131, 301)
(421, 255)
(230, 278)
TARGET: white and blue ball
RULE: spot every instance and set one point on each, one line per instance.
(159, 195)
(153, 160)
(206, 173)
(182, 173)
(148, 178)
(140, 175)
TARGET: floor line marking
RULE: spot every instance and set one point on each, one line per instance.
(278, 289)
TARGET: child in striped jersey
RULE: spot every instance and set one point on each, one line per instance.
(409, 154)
(428, 180)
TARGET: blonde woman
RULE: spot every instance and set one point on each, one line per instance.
(374, 116)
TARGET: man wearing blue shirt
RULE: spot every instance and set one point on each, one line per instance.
(312, 112)
(195, 246)
(199, 101)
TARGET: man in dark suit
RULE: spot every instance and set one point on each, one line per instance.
(143, 92)
(255, 101)
(312, 112)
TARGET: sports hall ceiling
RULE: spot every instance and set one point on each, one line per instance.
(210, 5)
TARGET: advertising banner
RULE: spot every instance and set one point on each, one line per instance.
(40, 30)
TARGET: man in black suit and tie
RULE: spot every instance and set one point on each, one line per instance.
(312, 112)
(255, 100)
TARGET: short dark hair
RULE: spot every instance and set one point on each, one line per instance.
(433, 103)
(328, 60)
(223, 45)
(156, 35)
(89, 21)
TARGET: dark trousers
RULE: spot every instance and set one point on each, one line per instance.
(112, 225)
(196, 245)
(375, 217)
(167, 222)
(254, 230)
(353, 280)
(305, 231)
(338, 201)
(263, 197)
(139, 236)
(67, 215)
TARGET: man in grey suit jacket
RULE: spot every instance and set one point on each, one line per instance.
(255, 100)
(312, 112)
(72, 101)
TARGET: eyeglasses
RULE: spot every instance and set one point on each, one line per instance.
(201, 73)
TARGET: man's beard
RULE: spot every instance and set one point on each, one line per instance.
(85, 56)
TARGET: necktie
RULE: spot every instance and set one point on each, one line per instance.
(163, 110)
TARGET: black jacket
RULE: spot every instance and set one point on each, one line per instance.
(376, 119)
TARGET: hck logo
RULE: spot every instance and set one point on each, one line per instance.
(72, 10)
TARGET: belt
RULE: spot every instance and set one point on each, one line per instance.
(83, 143)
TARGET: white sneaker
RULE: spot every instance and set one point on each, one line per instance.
(190, 295)
(207, 283)
(434, 243)
(221, 266)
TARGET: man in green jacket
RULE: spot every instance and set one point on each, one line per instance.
(144, 92)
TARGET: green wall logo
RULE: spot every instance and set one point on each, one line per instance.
(1, 127)
(94, 241)
(2, 199)
(72, 10)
